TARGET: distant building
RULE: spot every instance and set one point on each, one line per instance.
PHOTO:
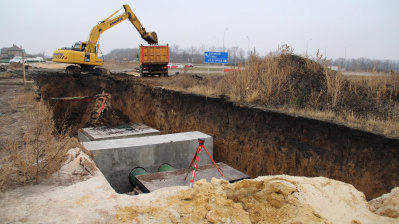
(12, 52)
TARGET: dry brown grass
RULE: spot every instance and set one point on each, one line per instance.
(388, 128)
(202, 90)
(297, 85)
(40, 151)
(198, 84)
(283, 79)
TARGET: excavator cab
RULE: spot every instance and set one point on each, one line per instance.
(76, 47)
(83, 48)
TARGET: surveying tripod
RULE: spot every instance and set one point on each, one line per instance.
(194, 162)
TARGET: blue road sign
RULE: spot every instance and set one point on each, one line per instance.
(216, 57)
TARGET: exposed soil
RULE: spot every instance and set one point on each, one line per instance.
(81, 194)
(253, 140)
(11, 124)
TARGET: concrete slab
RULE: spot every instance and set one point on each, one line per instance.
(117, 157)
(116, 132)
(154, 181)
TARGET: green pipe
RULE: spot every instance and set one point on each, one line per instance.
(135, 172)
(165, 167)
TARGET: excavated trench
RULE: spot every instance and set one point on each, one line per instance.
(255, 141)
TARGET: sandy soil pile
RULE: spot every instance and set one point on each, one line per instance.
(79, 193)
(387, 205)
(272, 199)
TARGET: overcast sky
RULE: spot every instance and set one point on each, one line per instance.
(361, 28)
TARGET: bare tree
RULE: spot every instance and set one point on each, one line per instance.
(233, 53)
(203, 48)
(212, 48)
(241, 53)
(174, 52)
(365, 64)
(193, 51)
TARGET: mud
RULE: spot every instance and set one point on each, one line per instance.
(253, 140)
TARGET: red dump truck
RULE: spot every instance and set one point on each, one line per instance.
(154, 60)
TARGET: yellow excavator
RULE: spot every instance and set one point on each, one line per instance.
(84, 55)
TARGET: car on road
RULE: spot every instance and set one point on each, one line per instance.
(170, 65)
(189, 65)
(37, 59)
(179, 65)
(19, 60)
(16, 60)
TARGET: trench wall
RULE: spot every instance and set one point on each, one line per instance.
(253, 140)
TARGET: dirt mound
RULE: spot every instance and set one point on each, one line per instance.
(17, 66)
(305, 78)
(292, 81)
(284, 79)
(244, 202)
(387, 205)
(272, 199)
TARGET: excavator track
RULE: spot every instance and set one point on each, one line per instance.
(73, 70)
(76, 71)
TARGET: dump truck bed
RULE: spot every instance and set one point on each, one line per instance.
(154, 54)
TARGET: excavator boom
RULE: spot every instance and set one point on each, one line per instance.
(149, 37)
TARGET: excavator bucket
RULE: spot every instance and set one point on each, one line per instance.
(152, 38)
